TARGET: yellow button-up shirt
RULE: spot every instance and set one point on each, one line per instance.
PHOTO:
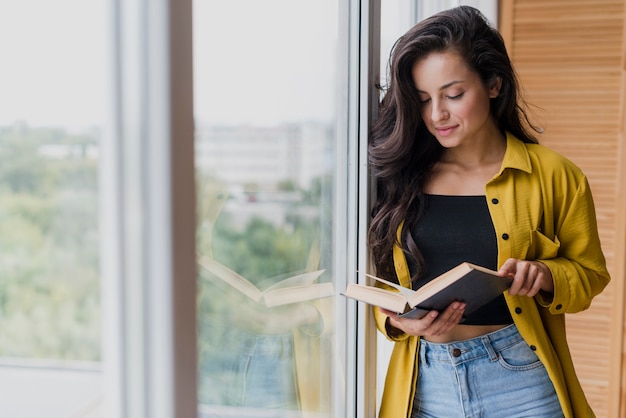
(542, 209)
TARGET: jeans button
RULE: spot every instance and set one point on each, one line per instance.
(456, 352)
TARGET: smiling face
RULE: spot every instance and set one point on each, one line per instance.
(455, 103)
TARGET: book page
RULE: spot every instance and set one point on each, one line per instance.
(294, 294)
(231, 277)
(297, 280)
(393, 301)
(405, 291)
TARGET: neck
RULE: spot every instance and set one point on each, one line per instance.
(478, 153)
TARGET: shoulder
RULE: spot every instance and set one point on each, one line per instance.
(538, 167)
(549, 162)
(543, 152)
(540, 159)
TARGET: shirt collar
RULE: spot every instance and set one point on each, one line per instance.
(516, 155)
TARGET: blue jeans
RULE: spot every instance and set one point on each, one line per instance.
(492, 376)
(264, 375)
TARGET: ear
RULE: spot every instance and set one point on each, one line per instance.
(494, 87)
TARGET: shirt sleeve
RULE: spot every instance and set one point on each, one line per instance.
(579, 267)
(382, 322)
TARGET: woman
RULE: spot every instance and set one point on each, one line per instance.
(460, 177)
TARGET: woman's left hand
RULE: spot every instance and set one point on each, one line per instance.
(529, 277)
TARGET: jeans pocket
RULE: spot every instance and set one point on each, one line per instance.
(519, 356)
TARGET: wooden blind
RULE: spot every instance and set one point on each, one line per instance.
(569, 55)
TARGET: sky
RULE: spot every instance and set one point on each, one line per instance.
(259, 62)
(52, 62)
(275, 60)
(54, 67)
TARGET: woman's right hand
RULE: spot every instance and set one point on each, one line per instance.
(431, 325)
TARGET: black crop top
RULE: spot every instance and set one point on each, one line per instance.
(454, 229)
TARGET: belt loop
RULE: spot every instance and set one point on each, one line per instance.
(422, 350)
(493, 354)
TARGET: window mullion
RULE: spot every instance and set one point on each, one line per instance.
(149, 214)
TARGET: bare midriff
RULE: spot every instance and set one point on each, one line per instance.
(464, 332)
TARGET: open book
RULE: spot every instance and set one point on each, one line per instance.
(292, 289)
(469, 283)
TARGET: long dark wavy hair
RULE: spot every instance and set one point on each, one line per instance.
(401, 150)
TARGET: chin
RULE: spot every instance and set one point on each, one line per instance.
(448, 142)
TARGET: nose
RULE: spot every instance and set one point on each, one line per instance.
(438, 112)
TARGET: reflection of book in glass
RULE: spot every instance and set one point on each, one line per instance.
(293, 289)
(469, 283)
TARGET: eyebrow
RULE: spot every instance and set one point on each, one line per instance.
(445, 86)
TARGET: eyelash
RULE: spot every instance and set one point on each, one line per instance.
(458, 96)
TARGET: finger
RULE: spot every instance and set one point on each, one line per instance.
(519, 279)
(452, 312)
(448, 319)
(530, 278)
(414, 326)
(509, 268)
(534, 289)
(458, 315)
(540, 278)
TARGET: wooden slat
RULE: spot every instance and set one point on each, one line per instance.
(569, 55)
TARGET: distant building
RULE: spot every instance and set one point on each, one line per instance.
(265, 157)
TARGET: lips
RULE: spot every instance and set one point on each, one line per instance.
(444, 130)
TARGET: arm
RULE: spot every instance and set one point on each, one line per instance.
(570, 269)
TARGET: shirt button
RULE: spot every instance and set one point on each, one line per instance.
(518, 310)
(494, 201)
(456, 352)
(505, 236)
(532, 347)
(558, 307)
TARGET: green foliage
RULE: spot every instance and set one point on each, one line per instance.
(287, 186)
(49, 241)
(320, 189)
(49, 286)
(260, 246)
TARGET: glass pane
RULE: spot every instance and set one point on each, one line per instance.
(397, 16)
(51, 107)
(265, 86)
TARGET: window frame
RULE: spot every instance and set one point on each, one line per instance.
(147, 219)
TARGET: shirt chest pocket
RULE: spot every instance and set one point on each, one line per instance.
(541, 247)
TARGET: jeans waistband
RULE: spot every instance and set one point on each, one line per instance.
(258, 344)
(460, 351)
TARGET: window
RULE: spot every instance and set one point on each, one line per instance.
(51, 123)
(266, 146)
